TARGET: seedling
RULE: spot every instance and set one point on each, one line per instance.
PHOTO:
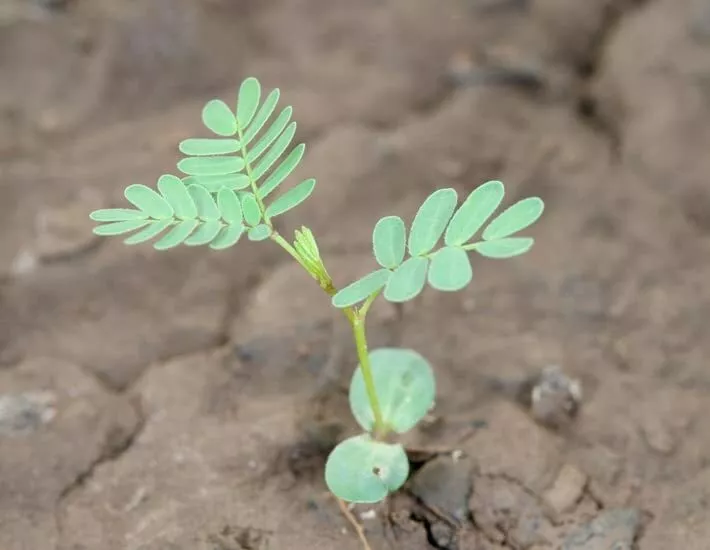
(226, 189)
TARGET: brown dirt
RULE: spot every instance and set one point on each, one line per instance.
(186, 400)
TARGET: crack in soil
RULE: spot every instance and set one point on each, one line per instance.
(587, 105)
(111, 452)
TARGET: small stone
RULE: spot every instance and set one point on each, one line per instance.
(25, 413)
(657, 435)
(445, 485)
(613, 529)
(566, 491)
(555, 398)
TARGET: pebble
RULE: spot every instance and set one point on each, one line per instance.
(555, 398)
(613, 529)
(566, 491)
(25, 413)
(445, 485)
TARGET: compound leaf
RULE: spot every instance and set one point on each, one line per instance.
(450, 269)
(474, 212)
(259, 233)
(119, 227)
(291, 198)
(149, 201)
(273, 132)
(229, 236)
(282, 171)
(175, 192)
(229, 206)
(210, 166)
(204, 234)
(150, 231)
(389, 241)
(218, 117)
(504, 248)
(431, 220)
(407, 281)
(405, 387)
(250, 209)
(362, 470)
(362, 288)
(117, 215)
(515, 218)
(208, 146)
(273, 154)
(206, 207)
(248, 101)
(262, 115)
(176, 235)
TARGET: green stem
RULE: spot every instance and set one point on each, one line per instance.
(358, 325)
(357, 322)
(247, 169)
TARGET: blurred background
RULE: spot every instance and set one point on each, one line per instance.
(187, 399)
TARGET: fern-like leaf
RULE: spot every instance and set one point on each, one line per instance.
(195, 217)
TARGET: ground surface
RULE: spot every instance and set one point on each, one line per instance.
(185, 400)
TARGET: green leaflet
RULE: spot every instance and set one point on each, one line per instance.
(431, 220)
(361, 289)
(206, 207)
(218, 117)
(450, 269)
(504, 248)
(407, 281)
(208, 146)
(259, 233)
(228, 236)
(270, 135)
(291, 198)
(282, 171)
(405, 389)
(515, 218)
(175, 192)
(146, 199)
(205, 233)
(365, 471)
(389, 241)
(210, 166)
(273, 154)
(250, 209)
(229, 206)
(215, 183)
(150, 231)
(474, 212)
(248, 101)
(119, 228)
(117, 215)
(262, 115)
(176, 235)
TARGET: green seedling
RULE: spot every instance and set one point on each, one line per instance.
(227, 188)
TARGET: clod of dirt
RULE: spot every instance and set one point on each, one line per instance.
(566, 491)
(65, 230)
(555, 398)
(233, 538)
(25, 413)
(509, 513)
(444, 485)
(615, 529)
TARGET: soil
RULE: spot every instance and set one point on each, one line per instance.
(187, 399)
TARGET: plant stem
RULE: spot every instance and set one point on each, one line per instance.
(356, 318)
(358, 325)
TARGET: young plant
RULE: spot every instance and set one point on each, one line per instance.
(226, 189)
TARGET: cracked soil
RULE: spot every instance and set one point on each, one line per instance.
(186, 400)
